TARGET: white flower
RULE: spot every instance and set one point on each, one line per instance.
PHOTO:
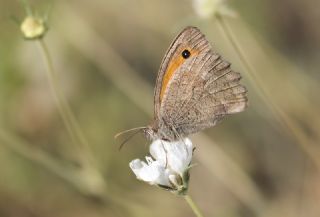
(207, 8)
(168, 167)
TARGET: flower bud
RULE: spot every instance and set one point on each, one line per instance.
(33, 27)
(207, 8)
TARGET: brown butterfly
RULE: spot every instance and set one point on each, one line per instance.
(195, 89)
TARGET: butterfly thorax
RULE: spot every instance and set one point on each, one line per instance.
(160, 130)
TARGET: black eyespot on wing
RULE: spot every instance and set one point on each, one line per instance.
(186, 54)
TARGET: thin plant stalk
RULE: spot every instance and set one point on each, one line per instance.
(86, 178)
(27, 7)
(193, 206)
(41, 158)
(63, 107)
(303, 140)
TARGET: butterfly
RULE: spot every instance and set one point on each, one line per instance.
(195, 89)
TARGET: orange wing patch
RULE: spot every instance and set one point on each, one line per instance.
(172, 67)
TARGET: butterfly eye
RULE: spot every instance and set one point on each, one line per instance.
(185, 54)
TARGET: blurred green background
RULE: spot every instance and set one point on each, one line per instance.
(262, 162)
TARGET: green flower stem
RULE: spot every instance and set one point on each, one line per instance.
(193, 206)
(26, 7)
(63, 107)
(285, 120)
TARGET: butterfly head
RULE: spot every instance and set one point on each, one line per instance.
(150, 133)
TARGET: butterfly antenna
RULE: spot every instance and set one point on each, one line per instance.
(137, 129)
(127, 131)
(129, 137)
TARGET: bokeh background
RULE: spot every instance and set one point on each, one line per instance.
(262, 162)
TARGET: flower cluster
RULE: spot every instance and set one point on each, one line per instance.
(167, 167)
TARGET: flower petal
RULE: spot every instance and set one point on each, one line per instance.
(153, 172)
(179, 155)
(158, 152)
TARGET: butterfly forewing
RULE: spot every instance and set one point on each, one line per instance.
(196, 92)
